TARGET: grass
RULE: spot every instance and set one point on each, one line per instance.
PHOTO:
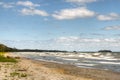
(6, 59)
(23, 75)
(14, 74)
(2, 53)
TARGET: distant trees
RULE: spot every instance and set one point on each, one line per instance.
(4, 48)
(104, 51)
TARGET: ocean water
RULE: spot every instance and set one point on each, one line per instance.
(106, 61)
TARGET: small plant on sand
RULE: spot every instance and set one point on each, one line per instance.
(13, 74)
(23, 75)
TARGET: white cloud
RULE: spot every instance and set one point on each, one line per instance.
(31, 10)
(111, 16)
(88, 44)
(6, 5)
(81, 1)
(73, 13)
(26, 11)
(27, 4)
(112, 28)
(68, 43)
(78, 40)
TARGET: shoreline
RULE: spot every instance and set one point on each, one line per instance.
(95, 74)
(44, 70)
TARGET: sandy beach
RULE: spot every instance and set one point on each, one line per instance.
(27, 69)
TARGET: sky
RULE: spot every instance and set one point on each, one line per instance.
(73, 25)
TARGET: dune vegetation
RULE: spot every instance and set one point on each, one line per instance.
(4, 58)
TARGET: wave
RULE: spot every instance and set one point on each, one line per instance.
(107, 61)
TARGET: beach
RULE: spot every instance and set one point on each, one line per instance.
(28, 69)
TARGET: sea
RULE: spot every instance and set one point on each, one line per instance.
(96, 60)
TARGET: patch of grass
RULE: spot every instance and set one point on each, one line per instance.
(23, 75)
(14, 74)
(2, 53)
(6, 59)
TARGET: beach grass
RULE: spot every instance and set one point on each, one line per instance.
(13, 74)
(2, 53)
(6, 59)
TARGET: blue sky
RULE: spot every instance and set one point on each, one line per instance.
(83, 25)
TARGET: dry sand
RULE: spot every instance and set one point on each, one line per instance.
(27, 69)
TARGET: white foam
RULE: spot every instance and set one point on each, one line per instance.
(117, 63)
(70, 59)
(50, 61)
(84, 64)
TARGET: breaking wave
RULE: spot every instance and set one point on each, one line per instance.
(106, 61)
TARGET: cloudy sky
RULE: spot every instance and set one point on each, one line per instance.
(83, 25)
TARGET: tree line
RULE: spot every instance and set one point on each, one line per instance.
(4, 48)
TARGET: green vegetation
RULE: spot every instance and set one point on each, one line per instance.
(4, 48)
(104, 51)
(13, 74)
(7, 59)
(23, 75)
(2, 53)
